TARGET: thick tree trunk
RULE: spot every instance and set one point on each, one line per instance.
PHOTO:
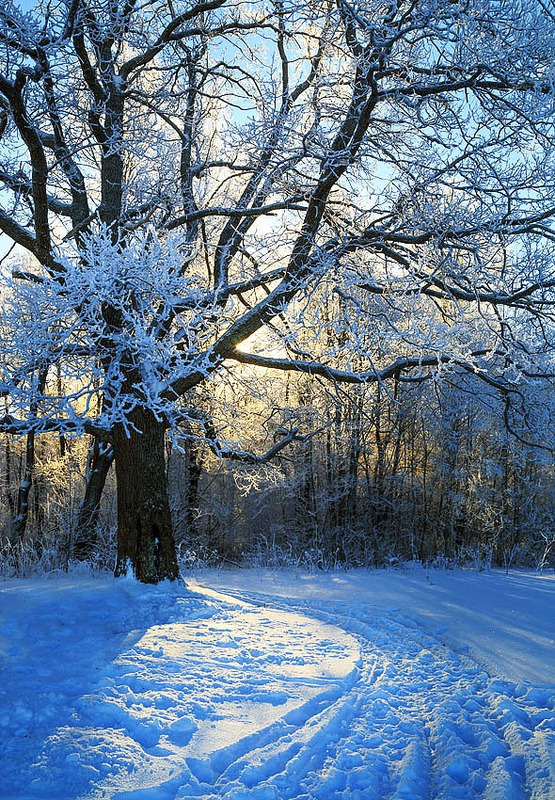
(145, 534)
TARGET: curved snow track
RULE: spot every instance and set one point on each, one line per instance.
(254, 697)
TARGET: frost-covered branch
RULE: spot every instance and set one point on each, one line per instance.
(409, 369)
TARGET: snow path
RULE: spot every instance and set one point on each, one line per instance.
(113, 690)
(423, 722)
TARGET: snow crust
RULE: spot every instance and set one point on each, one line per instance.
(265, 685)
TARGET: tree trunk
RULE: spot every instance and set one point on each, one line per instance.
(19, 522)
(195, 471)
(100, 460)
(145, 534)
(8, 475)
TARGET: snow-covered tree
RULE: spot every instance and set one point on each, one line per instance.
(187, 178)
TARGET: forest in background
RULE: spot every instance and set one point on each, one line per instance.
(425, 471)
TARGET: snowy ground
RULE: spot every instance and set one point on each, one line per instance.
(362, 686)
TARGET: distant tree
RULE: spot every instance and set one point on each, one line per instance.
(190, 178)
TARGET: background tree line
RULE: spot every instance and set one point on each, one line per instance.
(418, 471)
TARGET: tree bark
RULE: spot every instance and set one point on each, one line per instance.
(145, 533)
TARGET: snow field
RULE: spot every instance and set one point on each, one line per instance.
(427, 722)
(114, 690)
